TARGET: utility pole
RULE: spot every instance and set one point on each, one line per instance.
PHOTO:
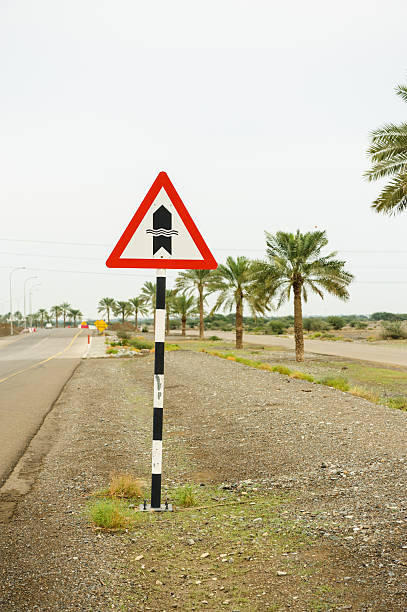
(11, 297)
(25, 311)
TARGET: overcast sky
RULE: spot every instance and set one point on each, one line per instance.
(259, 111)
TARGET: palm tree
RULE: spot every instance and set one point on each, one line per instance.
(234, 281)
(137, 306)
(42, 314)
(170, 296)
(184, 306)
(75, 314)
(65, 310)
(56, 311)
(107, 305)
(123, 308)
(148, 291)
(199, 280)
(294, 264)
(388, 154)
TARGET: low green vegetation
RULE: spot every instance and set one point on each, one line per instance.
(379, 385)
(110, 514)
(339, 382)
(186, 496)
(399, 403)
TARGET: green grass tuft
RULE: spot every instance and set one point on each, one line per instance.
(140, 343)
(398, 403)
(282, 370)
(111, 514)
(185, 496)
(172, 347)
(302, 376)
(336, 382)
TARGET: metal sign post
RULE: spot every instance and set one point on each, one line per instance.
(158, 404)
(160, 235)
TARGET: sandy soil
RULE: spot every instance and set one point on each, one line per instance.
(342, 459)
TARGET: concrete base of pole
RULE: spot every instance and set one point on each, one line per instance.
(148, 508)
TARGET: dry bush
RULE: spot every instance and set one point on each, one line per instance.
(125, 486)
(365, 393)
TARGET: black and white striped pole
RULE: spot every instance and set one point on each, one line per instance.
(163, 217)
(158, 405)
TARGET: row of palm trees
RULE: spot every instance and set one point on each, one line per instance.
(65, 311)
(294, 266)
(43, 316)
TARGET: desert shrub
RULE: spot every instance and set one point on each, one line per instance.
(123, 334)
(277, 327)
(398, 403)
(185, 496)
(393, 329)
(214, 338)
(281, 369)
(140, 343)
(360, 324)
(144, 330)
(336, 382)
(126, 326)
(125, 486)
(111, 351)
(110, 514)
(336, 322)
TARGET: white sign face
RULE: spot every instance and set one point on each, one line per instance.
(151, 239)
(162, 234)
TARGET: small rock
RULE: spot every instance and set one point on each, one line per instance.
(158, 582)
(190, 541)
(257, 520)
(279, 573)
(204, 555)
(139, 557)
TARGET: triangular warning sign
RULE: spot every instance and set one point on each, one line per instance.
(162, 234)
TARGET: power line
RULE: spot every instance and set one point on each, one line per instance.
(100, 260)
(105, 245)
(113, 274)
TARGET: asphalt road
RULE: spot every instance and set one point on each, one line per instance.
(378, 353)
(33, 370)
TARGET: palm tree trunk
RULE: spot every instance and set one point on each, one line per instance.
(64, 319)
(183, 323)
(108, 316)
(56, 321)
(239, 322)
(298, 331)
(167, 321)
(201, 314)
(135, 318)
(123, 316)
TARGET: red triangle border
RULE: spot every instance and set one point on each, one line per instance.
(208, 261)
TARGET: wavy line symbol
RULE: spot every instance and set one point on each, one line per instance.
(162, 232)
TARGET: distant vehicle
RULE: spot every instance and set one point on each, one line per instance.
(48, 325)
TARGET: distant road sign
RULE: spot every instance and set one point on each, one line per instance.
(100, 325)
(162, 234)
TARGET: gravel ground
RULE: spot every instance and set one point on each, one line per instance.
(343, 458)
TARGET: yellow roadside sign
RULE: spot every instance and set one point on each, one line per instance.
(100, 325)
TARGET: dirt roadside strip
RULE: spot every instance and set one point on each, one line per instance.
(339, 461)
(378, 353)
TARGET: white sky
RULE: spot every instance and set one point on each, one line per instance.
(258, 110)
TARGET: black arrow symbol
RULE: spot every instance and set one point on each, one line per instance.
(162, 230)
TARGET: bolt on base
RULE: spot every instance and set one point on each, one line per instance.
(147, 508)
